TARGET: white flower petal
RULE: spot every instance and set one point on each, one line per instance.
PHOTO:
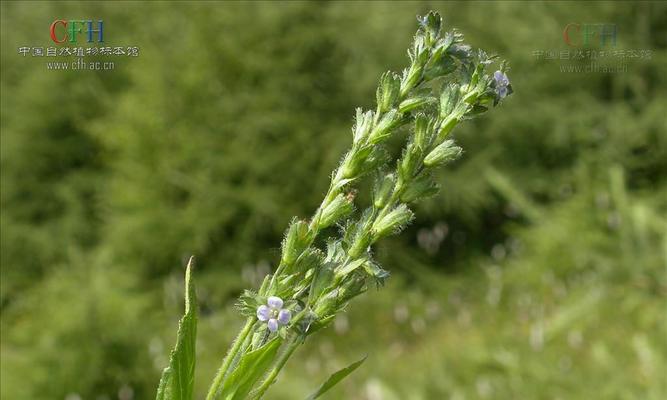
(275, 302)
(263, 313)
(284, 316)
(273, 324)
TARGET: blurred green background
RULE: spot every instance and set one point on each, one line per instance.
(539, 271)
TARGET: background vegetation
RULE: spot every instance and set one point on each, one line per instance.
(539, 272)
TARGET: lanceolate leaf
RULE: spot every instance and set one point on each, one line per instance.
(251, 367)
(177, 379)
(335, 378)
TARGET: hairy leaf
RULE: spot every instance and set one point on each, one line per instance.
(178, 378)
(335, 378)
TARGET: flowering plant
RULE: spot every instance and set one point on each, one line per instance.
(446, 83)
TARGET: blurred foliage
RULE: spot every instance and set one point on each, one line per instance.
(538, 272)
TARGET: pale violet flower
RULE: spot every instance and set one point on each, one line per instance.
(502, 84)
(273, 313)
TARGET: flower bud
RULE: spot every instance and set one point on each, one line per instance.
(419, 188)
(443, 66)
(471, 97)
(327, 304)
(447, 126)
(340, 207)
(361, 242)
(388, 122)
(409, 161)
(430, 25)
(295, 241)
(388, 91)
(357, 234)
(354, 159)
(423, 131)
(440, 62)
(411, 77)
(321, 282)
(363, 124)
(444, 153)
(414, 103)
(383, 189)
(448, 39)
(392, 222)
(352, 287)
(420, 51)
(449, 100)
(309, 259)
(436, 56)
(477, 73)
(378, 157)
(463, 52)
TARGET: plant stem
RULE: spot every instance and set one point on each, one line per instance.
(217, 381)
(280, 363)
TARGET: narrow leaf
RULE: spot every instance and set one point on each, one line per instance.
(177, 380)
(335, 378)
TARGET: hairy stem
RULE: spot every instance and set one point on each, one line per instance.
(280, 363)
(219, 377)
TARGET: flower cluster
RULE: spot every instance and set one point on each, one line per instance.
(446, 83)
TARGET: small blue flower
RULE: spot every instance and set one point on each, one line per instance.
(273, 313)
(502, 84)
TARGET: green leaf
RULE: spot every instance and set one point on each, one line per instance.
(178, 378)
(253, 365)
(335, 378)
